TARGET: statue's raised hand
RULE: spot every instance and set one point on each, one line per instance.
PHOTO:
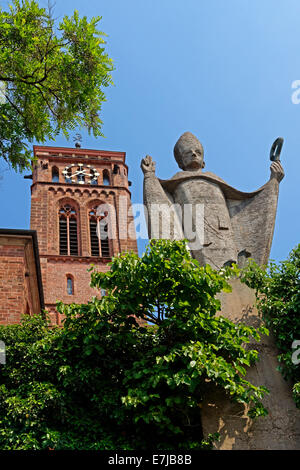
(148, 165)
(277, 171)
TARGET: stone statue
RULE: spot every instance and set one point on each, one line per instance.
(236, 226)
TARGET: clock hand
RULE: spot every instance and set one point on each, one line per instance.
(82, 172)
(79, 172)
(89, 173)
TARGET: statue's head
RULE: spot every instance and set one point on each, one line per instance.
(188, 152)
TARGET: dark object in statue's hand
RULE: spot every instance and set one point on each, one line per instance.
(276, 149)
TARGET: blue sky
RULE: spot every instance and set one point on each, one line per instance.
(220, 69)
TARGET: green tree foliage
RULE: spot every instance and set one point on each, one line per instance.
(278, 295)
(51, 76)
(108, 379)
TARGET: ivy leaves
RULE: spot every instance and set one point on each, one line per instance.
(278, 295)
(129, 370)
(188, 344)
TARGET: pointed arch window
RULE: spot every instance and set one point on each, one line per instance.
(94, 177)
(116, 170)
(55, 175)
(106, 178)
(99, 234)
(68, 231)
(68, 175)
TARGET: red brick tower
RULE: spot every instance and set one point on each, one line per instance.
(76, 195)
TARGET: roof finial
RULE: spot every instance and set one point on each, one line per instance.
(77, 139)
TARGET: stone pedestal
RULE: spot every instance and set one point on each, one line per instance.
(281, 428)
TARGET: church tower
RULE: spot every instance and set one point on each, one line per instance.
(81, 211)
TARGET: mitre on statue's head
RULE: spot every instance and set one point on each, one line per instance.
(188, 152)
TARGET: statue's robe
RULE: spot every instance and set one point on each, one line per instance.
(237, 225)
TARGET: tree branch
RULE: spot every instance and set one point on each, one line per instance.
(46, 101)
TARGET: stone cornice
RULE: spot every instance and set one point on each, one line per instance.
(77, 259)
(58, 152)
(100, 160)
(90, 187)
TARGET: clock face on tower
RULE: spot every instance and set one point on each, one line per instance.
(81, 174)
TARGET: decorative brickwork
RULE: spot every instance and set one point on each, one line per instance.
(68, 185)
(20, 280)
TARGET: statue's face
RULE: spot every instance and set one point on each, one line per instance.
(188, 152)
(192, 157)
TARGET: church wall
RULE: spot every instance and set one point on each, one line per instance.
(12, 280)
(19, 290)
(55, 284)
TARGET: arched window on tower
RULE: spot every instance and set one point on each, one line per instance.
(106, 179)
(68, 175)
(70, 285)
(68, 231)
(99, 234)
(94, 177)
(116, 170)
(55, 175)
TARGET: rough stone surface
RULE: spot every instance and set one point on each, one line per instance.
(281, 428)
(237, 226)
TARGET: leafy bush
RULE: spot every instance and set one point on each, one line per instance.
(110, 380)
(52, 78)
(278, 295)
